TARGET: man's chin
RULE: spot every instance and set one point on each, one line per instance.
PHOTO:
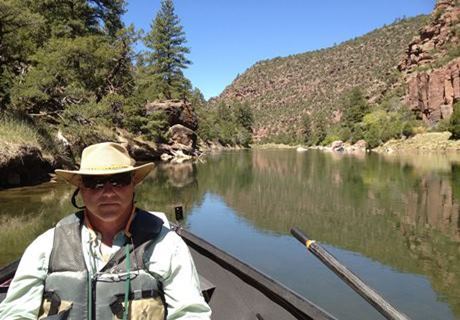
(109, 212)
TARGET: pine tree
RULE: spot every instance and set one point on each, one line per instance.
(244, 116)
(20, 31)
(165, 62)
(355, 107)
(82, 56)
(307, 130)
(454, 125)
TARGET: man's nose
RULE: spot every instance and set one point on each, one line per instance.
(108, 187)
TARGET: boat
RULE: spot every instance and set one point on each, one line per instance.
(233, 289)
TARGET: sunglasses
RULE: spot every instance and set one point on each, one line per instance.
(98, 182)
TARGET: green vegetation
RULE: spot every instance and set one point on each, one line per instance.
(454, 126)
(15, 131)
(389, 120)
(354, 107)
(227, 124)
(66, 63)
(375, 124)
(164, 63)
(70, 66)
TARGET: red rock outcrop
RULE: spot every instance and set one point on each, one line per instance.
(434, 39)
(432, 93)
(177, 112)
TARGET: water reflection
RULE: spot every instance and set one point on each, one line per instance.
(27, 212)
(389, 211)
(402, 212)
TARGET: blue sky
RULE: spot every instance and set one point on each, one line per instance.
(228, 36)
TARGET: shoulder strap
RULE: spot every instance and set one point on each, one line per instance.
(67, 253)
(144, 227)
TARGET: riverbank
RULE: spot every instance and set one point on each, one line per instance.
(25, 162)
(423, 142)
(29, 153)
(273, 146)
(431, 142)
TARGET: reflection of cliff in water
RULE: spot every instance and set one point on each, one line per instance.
(386, 211)
(169, 186)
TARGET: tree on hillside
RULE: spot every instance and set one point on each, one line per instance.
(307, 130)
(74, 18)
(454, 126)
(244, 115)
(355, 107)
(82, 56)
(20, 31)
(319, 128)
(167, 58)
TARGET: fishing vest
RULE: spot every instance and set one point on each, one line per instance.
(71, 292)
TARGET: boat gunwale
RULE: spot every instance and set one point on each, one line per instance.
(297, 305)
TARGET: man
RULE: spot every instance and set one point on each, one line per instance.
(109, 261)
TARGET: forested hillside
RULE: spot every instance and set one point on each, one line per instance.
(281, 91)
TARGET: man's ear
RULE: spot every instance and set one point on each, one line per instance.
(73, 200)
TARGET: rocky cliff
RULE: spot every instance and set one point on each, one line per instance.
(431, 65)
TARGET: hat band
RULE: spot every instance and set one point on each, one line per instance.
(106, 168)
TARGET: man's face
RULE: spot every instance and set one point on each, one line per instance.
(108, 198)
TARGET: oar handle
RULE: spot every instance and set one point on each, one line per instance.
(369, 294)
(299, 235)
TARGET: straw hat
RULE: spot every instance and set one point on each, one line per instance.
(105, 159)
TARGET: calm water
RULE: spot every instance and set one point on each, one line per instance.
(393, 221)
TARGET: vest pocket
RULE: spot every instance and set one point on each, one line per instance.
(143, 309)
(53, 308)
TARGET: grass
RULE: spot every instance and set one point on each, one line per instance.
(273, 146)
(13, 135)
(423, 142)
(17, 132)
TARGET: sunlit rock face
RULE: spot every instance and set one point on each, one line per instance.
(435, 39)
(433, 94)
(432, 71)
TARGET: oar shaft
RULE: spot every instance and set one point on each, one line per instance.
(383, 306)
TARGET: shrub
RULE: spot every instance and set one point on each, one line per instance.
(442, 125)
(329, 139)
(454, 126)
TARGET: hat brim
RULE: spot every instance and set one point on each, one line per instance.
(74, 176)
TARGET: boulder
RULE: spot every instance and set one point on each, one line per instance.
(181, 135)
(337, 146)
(360, 145)
(177, 112)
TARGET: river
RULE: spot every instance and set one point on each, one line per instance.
(393, 220)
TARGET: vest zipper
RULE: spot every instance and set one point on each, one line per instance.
(93, 300)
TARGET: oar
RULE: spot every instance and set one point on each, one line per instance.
(383, 306)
